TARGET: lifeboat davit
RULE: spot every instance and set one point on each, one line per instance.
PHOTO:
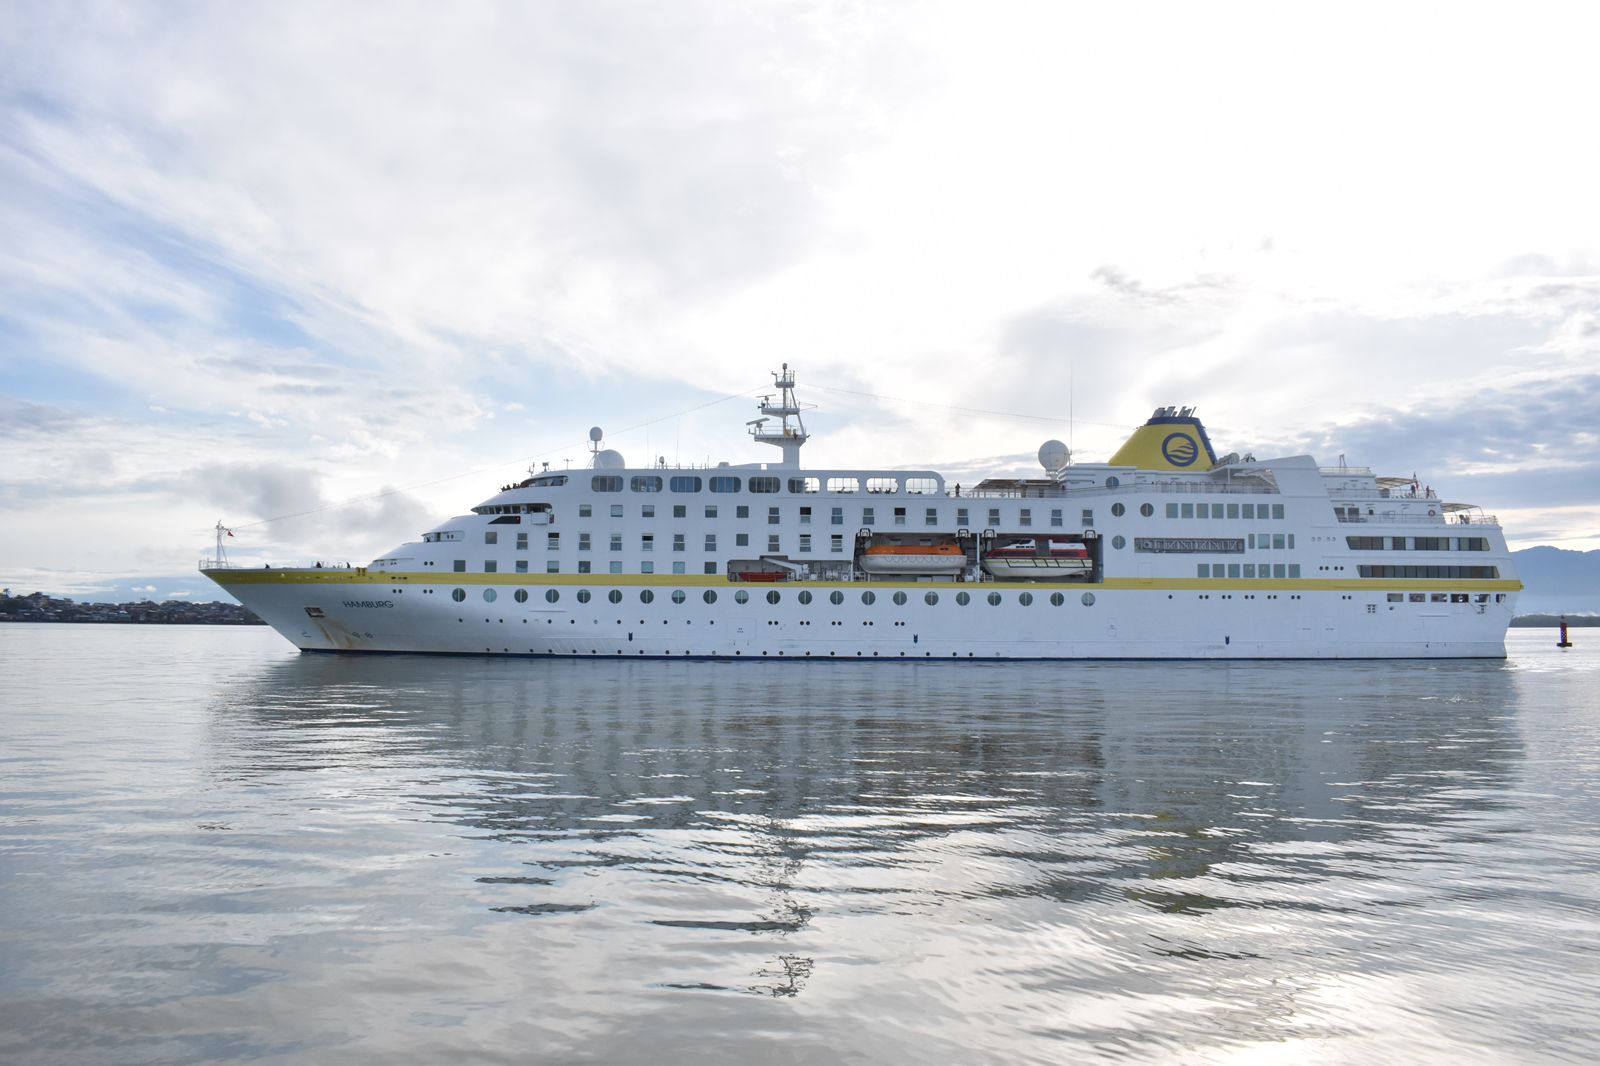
(1053, 561)
(913, 559)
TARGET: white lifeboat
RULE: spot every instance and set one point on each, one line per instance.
(1050, 561)
(913, 559)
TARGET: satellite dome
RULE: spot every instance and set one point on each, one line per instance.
(596, 434)
(1054, 456)
(610, 459)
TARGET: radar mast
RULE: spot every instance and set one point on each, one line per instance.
(785, 436)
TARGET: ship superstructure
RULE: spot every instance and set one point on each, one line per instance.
(1166, 551)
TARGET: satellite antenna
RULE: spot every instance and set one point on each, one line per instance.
(1054, 457)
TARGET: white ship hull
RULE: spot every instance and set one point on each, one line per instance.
(362, 612)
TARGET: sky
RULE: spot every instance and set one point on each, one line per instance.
(331, 273)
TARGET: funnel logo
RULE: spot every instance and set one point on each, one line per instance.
(1180, 449)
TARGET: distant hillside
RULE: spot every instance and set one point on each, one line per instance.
(1558, 581)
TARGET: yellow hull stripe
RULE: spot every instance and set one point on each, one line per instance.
(360, 576)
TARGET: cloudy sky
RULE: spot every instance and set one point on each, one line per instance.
(328, 272)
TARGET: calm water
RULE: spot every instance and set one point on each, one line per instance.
(213, 848)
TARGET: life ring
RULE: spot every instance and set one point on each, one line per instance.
(1432, 513)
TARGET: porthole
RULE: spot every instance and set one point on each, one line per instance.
(583, 595)
(869, 597)
(646, 596)
(678, 596)
(1117, 509)
(963, 598)
(490, 595)
(773, 596)
(805, 596)
(551, 595)
(710, 595)
(899, 599)
(1088, 599)
(836, 598)
(521, 595)
(931, 599)
(1119, 542)
(458, 594)
(741, 596)
(615, 595)
(1147, 509)
(1056, 599)
(994, 599)
(1026, 599)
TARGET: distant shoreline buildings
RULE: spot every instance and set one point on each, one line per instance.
(37, 607)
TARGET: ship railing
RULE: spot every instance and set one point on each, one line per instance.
(1353, 471)
(217, 564)
(1461, 519)
(1051, 492)
(1381, 494)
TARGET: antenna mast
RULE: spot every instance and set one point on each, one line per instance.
(785, 436)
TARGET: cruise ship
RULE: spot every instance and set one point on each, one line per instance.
(1165, 551)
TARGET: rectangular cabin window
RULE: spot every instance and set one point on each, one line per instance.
(490, 566)
(684, 483)
(962, 519)
(836, 543)
(522, 566)
(899, 516)
(773, 516)
(1233, 569)
(741, 540)
(1277, 541)
(1088, 519)
(1277, 510)
(552, 566)
(805, 516)
(615, 567)
(1294, 569)
(1025, 517)
(1202, 569)
(522, 542)
(460, 566)
(647, 542)
(711, 542)
(741, 511)
(585, 511)
(680, 511)
(616, 510)
(837, 518)
(677, 542)
(1172, 510)
(711, 510)
(647, 510)
(772, 542)
(805, 544)
(606, 483)
(711, 568)
(680, 567)
(647, 567)
(583, 542)
(583, 566)
(1233, 510)
(1250, 510)
(616, 542)
(725, 484)
(869, 516)
(994, 516)
(552, 542)
(491, 537)
(1055, 517)
(930, 517)
(1249, 569)
(1188, 510)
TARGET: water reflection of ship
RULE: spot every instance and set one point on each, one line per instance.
(1103, 778)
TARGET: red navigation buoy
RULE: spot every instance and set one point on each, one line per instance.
(1563, 642)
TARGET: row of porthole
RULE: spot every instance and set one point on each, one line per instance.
(774, 596)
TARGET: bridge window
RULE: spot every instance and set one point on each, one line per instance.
(606, 483)
(646, 483)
